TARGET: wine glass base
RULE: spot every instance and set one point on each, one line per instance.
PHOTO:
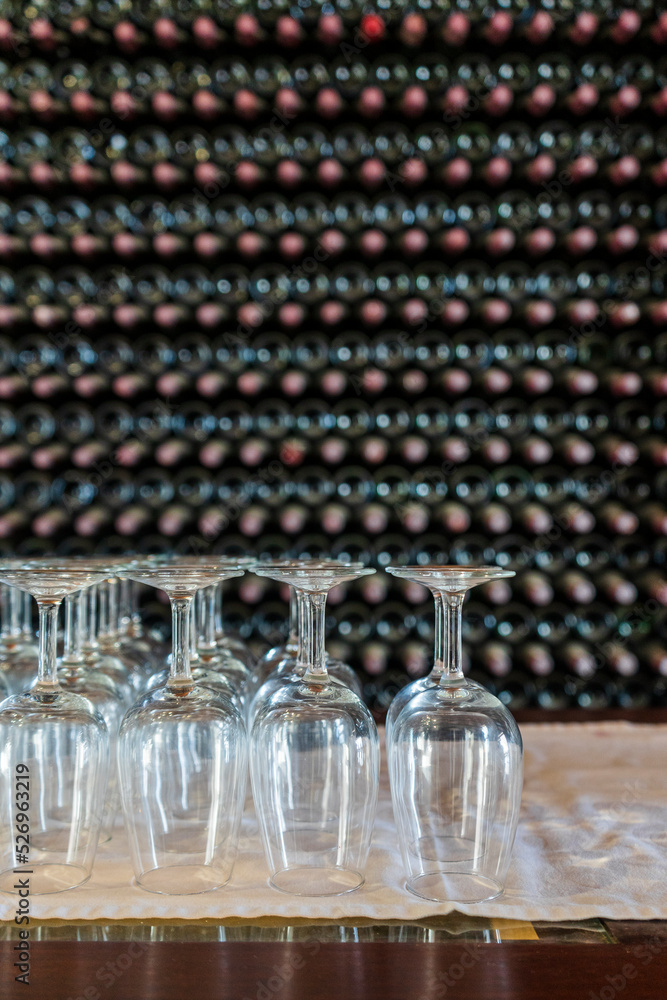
(44, 877)
(182, 880)
(324, 881)
(454, 887)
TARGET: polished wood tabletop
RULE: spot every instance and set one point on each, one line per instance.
(629, 963)
(311, 971)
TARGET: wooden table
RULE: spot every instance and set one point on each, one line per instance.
(631, 964)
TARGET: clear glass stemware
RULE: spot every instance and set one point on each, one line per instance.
(60, 745)
(455, 761)
(315, 760)
(18, 651)
(182, 759)
(76, 675)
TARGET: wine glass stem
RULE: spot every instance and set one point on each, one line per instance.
(194, 652)
(219, 627)
(316, 606)
(207, 620)
(125, 607)
(68, 640)
(15, 607)
(83, 619)
(303, 627)
(4, 609)
(180, 656)
(135, 614)
(91, 643)
(74, 614)
(103, 610)
(438, 653)
(452, 651)
(294, 619)
(27, 617)
(48, 634)
(113, 606)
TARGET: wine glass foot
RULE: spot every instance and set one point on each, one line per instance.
(446, 849)
(182, 880)
(454, 887)
(322, 881)
(43, 878)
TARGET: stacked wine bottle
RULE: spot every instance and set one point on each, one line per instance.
(387, 282)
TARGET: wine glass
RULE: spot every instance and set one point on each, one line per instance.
(131, 629)
(294, 660)
(103, 662)
(84, 658)
(96, 621)
(315, 760)
(59, 745)
(277, 654)
(109, 636)
(284, 654)
(76, 675)
(18, 653)
(182, 758)
(432, 679)
(222, 660)
(210, 605)
(226, 643)
(210, 665)
(455, 762)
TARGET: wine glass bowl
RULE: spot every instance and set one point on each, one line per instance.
(455, 761)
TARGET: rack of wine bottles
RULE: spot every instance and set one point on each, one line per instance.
(379, 280)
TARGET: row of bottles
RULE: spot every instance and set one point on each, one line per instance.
(188, 498)
(554, 157)
(319, 231)
(249, 90)
(472, 350)
(354, 24)
(585, 297)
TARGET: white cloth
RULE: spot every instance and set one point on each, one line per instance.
(592, 842)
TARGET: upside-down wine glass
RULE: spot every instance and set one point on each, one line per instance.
(138, 666)
(75, 674)
(295, 660)
(182, 758)
(315, 760)
(232, 645)
(275, 656)
(455, 762)
(210, 665)
(18, 651)
(226, 661)
(100, 629)
(103, 662)
(130, 627)
(59, 745)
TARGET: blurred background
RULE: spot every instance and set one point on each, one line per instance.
(379, 280)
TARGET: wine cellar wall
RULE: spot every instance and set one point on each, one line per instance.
(381, 281)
